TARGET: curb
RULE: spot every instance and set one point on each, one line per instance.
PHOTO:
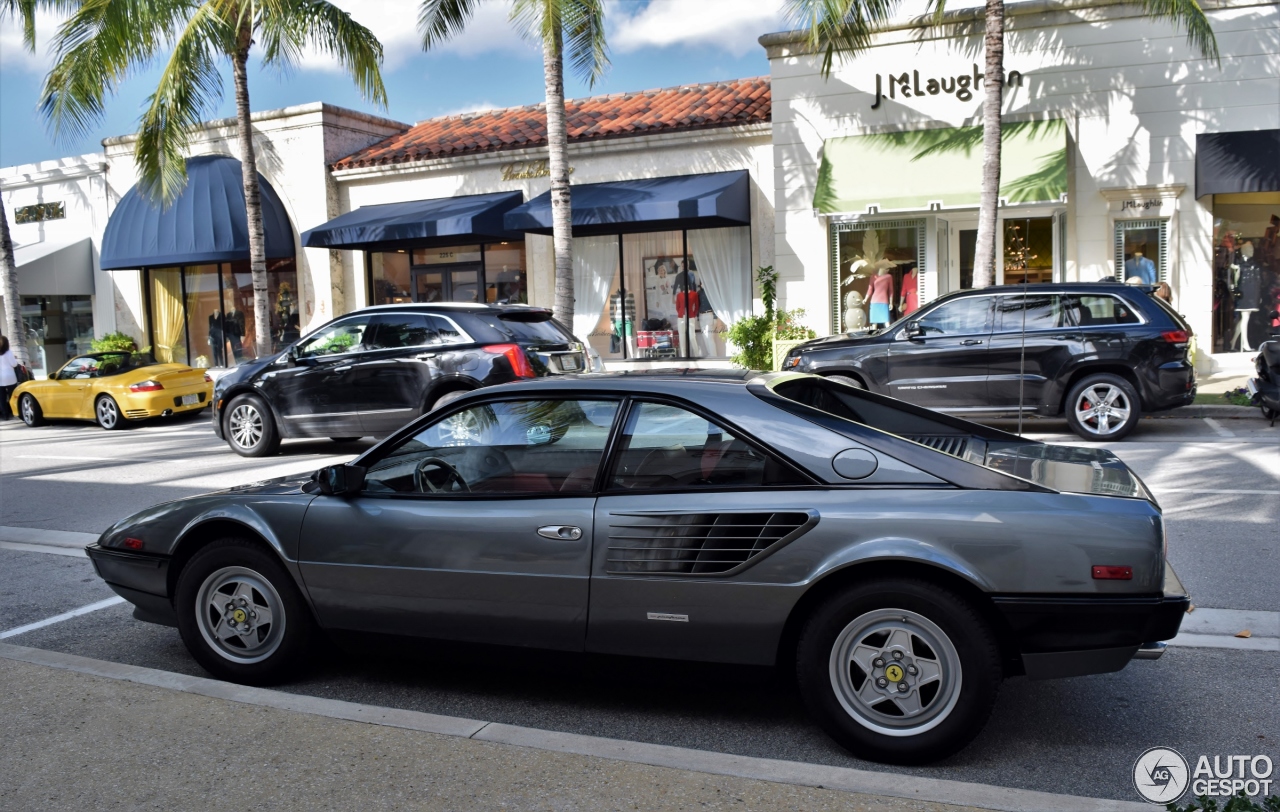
(1211, 410)
(866, 782)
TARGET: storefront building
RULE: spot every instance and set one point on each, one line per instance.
(1125, 156)
(56, 212)
(672, 212)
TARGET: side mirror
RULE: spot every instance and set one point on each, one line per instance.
(914, 330)
(292, 354)
(340, 480)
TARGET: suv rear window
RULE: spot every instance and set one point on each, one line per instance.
(1087, 310)
(1171, 313)
(547, 331)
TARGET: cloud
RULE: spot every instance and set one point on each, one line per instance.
(726, 25)
(470, 107)
(14, 54)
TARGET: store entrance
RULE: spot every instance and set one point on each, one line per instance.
(456, 283)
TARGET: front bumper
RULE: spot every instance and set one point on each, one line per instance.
(1060, 636)
(141, 579)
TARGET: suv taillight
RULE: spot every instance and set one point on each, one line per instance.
(1176, 336)
(515, 354)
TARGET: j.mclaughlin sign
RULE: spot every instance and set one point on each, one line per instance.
(908, 84)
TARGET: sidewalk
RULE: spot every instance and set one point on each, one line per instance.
(87, 734)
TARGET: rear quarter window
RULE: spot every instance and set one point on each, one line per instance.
(1089, 310)
(528, 332)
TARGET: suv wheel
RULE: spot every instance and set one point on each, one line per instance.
(899, 671)
(1103, 407)
(249, 428)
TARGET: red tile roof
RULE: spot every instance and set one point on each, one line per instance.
(690, 107)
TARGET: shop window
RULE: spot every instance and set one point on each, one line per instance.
(168, 318)
(505, 281)
(1246, 270)
(1142, 250)
(1028, 250)
(494, 273)
(56, 328)
(207, 329)
(877, 267)
(390, 280)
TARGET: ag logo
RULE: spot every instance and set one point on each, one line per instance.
(1160, 775)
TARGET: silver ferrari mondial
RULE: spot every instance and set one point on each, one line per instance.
(902, 561)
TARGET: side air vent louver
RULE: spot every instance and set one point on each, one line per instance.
(698, 543)
(952, 444)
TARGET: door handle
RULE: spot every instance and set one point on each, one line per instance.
(560, 532)
(969, 342)
(426, 356)
(342, 369)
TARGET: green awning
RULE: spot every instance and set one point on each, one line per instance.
(908, 171)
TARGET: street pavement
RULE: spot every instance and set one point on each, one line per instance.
(1218, 481)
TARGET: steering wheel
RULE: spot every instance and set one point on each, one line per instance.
(424, 484)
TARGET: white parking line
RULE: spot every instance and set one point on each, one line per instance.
(1222, 430)
(49, 621)
(1225, 492)
(41, 548)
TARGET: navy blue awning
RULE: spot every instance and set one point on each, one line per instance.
(1238, 162)
(655, 204)
(475, 217)
(207, 223)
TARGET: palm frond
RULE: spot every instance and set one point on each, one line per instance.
(839, 26)
(540, 21)
(96, 49)
(440, 20)
(584, 39)
(286, 27)
(189, 88)
(1186, 14)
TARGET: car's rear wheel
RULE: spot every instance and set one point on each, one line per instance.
(899, 671)
(250, 429)
(1103, 407)
(241, 615)
(29, 410)
(447, 398)
(107, 412)
(847, 381)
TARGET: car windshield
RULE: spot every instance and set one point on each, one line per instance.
(546, 331)
(101, 365)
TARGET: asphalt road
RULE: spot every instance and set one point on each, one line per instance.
(1076, 736)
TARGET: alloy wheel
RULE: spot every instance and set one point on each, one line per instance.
(462, 429)
(895, 672)
(240, 615)
(245, 426)
(108, 413)
(1102, 409)
(28, 409)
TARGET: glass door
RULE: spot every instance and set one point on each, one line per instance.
(428, 286)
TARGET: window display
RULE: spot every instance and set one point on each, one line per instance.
(1246, 270)
(1028, 250)
(877, 271)
(494, 273)
(57, 328)
(1141, 251)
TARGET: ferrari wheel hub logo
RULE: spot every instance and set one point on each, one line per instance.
(893, 673)
(239, 616)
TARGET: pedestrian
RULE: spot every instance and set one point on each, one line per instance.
(8, 377)
(1165, 292)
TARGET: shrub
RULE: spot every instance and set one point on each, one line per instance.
(115, 342)
(754, 335)
(1237, 803)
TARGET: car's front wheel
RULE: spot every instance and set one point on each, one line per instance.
(1103, 407)
(847, 381)
(250, 429)
(241, 615)
(899, 671)
(29, 410)
(107, 412)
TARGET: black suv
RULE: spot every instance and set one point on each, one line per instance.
(369, 372)
(1101, 353)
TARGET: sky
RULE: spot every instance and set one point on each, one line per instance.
(653, 43)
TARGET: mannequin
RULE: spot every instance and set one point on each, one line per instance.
(622, 312)
(685, 286)
(1140, 266)
(910, 301)
(855, 318)
(880, 292)
(233, 326)
(1249, 289)
(706, 321)
(217, 343)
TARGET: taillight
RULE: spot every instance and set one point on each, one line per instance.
(515, 355)
(133, 544)
(146, 386)
(1176, 336)
(1110, 573)
(207, 379)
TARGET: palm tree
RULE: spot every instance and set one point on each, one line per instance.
(104, 40)
(846, 27)
(579, 24)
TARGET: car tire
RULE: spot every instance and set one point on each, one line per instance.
(29, 410)
(1121, 415)
(107, 414)
(249, 427)
(847, 381)
(447, 398)
(230, 640)
(848, 667)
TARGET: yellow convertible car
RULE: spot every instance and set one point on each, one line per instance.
(112, 388)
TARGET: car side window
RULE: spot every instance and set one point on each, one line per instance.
(344, 336)
(665, 447)
(396, 330)
(968, 316)
(1040, 312)
(1089, 311)
(517, 447)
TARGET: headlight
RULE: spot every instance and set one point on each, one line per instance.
(791, 362)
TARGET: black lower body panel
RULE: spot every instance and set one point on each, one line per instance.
(142, 580)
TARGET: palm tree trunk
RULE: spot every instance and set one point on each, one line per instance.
(252, 194)
(558, 165)
(984, 261)
(9, 288)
